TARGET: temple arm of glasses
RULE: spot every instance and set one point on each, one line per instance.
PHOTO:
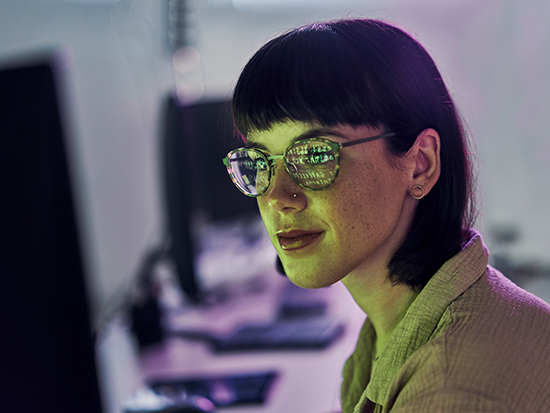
(372, 138)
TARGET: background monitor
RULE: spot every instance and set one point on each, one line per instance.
(196, 139)
(47, 360)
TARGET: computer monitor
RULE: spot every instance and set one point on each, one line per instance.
(196, 139)
(47, 360)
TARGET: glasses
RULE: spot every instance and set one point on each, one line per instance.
(312, 163)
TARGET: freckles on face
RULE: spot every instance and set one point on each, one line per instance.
(322, 236)
(368, 204)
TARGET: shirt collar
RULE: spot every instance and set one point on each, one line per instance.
(422, 317)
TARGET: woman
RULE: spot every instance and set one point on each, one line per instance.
(358, 159)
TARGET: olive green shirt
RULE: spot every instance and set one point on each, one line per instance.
(472, 341)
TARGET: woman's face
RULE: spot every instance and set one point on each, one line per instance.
(354, 225)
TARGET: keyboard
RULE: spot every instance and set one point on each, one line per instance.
(228, 390)
(301, 333)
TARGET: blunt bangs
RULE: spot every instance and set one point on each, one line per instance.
(307, 75)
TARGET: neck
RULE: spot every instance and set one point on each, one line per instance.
(384, 303)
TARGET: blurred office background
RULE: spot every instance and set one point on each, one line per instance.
(124, 57)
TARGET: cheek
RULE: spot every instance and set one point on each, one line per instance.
(366, 208)
(264, 210)
(353, 217)
(268, 217)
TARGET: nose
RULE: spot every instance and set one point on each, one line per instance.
(284, 194)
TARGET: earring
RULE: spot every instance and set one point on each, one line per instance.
(294, 195)
(417, 192)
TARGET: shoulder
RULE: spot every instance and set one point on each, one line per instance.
(490, 348)
(494, 311)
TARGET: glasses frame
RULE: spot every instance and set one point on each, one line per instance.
(271, 160)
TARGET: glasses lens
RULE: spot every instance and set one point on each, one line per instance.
(312, 163)
(249, 171)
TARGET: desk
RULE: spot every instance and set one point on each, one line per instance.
(308, 381)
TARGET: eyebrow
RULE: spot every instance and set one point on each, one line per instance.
(312, 133)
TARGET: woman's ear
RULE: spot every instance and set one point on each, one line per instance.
(426, 155)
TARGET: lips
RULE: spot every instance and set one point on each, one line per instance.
(297, 239)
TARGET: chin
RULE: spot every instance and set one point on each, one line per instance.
(310, 281)
(311, 272)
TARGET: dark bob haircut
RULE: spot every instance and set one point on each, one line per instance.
(367, 72)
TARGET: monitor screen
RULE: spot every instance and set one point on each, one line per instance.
(47, 360)
(215, 231)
